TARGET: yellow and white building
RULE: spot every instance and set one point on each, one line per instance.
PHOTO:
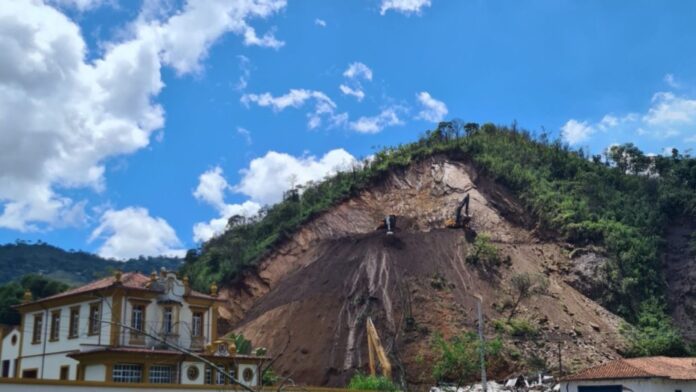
(99, 333)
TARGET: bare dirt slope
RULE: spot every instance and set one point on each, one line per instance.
(309, 300)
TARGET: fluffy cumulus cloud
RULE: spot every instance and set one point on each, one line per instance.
(132, 232)
(404, 6)
(431, 109)
(262, 183)
(669, 116)
(324, 107)
(374, 124)
(62, 116)
(320, 22)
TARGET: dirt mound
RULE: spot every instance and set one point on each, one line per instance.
(681, 277)
(309, 300)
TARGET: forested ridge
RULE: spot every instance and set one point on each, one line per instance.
(70, 267)
(621, 201)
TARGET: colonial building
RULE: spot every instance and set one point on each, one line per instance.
(124, 329)
(654, 374)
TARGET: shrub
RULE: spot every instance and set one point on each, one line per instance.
(364, 382)
(484, 253)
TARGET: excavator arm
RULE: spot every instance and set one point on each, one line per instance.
(459, 219)
(375, 349)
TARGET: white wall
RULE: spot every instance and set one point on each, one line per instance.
(95, 373)
(55, 351)
(201, 373)
(636, 385)
(240, 374)
(10, 351)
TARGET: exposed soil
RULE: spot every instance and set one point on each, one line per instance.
(309, 300)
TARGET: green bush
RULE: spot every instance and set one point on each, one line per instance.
(484, 253)
(364, 382)
(457, 359)
(515, 327)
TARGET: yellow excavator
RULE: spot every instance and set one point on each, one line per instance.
(460, 220)
(375, 349)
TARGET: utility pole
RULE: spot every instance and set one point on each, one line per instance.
(482, 343)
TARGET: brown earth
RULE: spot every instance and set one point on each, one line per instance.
(309, 300)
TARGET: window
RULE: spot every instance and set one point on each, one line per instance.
(168, 320)
(94, 319)
(220, 376)
(197, 324)
(127, 372)
(55, 325)
(65, 372)
(30, 373)
(162, 374)
(208, 375)
(38, 326)
(74, 329)
(137, 318)
(6, 368)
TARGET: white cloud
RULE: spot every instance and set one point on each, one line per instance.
(324, 107)
(668, 116)
(375, 124)
(132, 232)
(80, 5)
(243, 132)
(575, 132)
(211, 188)
(433, 110)
(357, 92)
(267, 177)
(320, 22)
(358, 70)
(671, 81)
(263, 183)
(245, 70)
(62, 116)
(404, 6)
(668, 110)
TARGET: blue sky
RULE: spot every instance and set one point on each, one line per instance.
(139, 127)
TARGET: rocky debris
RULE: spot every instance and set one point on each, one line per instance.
(587, 272)
(412, 284)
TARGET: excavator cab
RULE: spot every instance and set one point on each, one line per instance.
(459, 220)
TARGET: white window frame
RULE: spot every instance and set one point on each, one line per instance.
(168, 319)
(162, 374)
(197, 324)
(137, 318)
(127, 373)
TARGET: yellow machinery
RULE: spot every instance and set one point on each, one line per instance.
(375, 349)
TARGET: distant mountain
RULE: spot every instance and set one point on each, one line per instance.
(71, 267)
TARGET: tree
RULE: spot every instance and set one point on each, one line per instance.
(524, 286)
(457, 360)
(11, 294)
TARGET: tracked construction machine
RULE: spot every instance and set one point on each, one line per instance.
(460, 221)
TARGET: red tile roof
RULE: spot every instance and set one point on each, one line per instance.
(130, 280)
(648, 367)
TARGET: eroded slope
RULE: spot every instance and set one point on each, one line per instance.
(309, 299)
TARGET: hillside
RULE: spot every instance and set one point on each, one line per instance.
(302, 278)
(71, 267)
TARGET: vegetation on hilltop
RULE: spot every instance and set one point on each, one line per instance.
(623, 201)
(12, 293)
(71, 267)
